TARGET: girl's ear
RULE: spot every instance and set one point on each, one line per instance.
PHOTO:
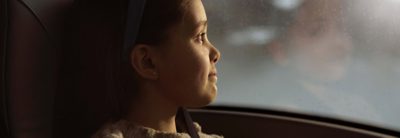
(142, 59)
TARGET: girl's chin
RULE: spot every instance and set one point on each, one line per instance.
(203, 100)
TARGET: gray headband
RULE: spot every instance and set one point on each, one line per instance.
(133, 20)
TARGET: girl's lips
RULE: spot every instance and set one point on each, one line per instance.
(213, 77)
(213, 74)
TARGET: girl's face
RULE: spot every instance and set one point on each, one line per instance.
(187, 71)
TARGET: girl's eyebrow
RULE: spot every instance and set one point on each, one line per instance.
(197, 27)
(201, 24)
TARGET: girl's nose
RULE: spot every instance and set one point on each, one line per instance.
(214, 54)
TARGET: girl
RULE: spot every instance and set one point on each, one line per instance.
(171, 65)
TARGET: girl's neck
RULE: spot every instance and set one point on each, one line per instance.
(153, 110)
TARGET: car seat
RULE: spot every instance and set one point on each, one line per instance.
(32, 35)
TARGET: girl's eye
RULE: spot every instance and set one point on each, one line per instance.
(201, 38)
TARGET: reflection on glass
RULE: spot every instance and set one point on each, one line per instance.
(338, 58)
(316, 51)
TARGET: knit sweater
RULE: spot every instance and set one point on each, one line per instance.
(124, 129)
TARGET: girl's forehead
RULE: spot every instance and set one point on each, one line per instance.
(195, 12)
(195, 15)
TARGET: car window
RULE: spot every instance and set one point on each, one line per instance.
(333, 58)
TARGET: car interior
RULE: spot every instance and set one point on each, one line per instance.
(53, 56)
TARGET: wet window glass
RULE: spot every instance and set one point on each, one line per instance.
(335, 58)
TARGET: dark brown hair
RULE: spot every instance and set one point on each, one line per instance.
(158, 17)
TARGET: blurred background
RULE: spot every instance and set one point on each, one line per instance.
(332, 58)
